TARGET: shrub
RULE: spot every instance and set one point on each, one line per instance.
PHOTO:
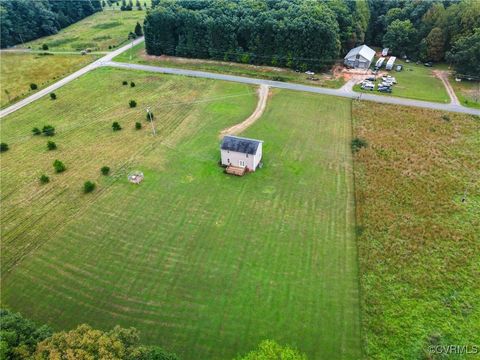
(88, 187)
(36, 131)
(105, 170)
(132, 84)
(357, 144)
(138, 125)
(124, 82)
(33, 86)
(53, 96)
(44, 179)
(48, 130)
(446, 118)
(116, 126)
(59, 166)
(44, 47)
(132, 103)
(3, 147)
(150, 116)
(51, 145)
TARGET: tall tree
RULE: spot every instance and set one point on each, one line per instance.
(435, 42)
(465, 55)
(270, 350)
(19, 336)
(400, 37)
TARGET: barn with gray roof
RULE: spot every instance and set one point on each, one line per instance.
(360, 57)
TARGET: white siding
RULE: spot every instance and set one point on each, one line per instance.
(234, 158)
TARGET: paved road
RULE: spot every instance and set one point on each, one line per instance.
(66, 80)
(343, 92)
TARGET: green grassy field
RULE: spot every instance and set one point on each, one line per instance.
(419, 244)
(204, 264)
(138, 56)
(468, 92)
(415, 82)
(19, 70)
(98, 32)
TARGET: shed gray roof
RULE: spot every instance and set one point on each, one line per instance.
(363, 51)
(240, 144)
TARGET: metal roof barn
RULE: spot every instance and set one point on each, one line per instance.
(360, 57)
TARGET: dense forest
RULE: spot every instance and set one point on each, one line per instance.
(25, 20)
(313, 34)
(296, 33)
(428, 30)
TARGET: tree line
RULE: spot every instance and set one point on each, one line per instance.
(305, 34)
(25, 20)
(437, 30)
(300, 34)
(22, 339)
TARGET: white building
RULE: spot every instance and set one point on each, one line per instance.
(241, 152)
(360, 57)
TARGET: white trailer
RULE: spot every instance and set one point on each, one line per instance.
(385, 52)
(390, 63)
(379, 62)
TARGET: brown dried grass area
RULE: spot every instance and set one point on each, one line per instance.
(419, 244)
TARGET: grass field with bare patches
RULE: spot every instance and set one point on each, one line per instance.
(419, 244)
(203, 264)
(19, 70)
(98, 32)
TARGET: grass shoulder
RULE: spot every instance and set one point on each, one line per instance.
(137, 55)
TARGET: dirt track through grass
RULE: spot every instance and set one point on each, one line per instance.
(202, 263)
(257, 113)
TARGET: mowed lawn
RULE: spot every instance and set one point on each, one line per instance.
(138, 55)
(101, 31)
(419, 244)
(204, 264)
(414, 82)
(19, 70)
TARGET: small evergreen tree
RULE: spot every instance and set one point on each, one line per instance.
(53, 96)
(116, 126)
(33, 86)
(44, 179)
(45, 47)
(51, 145)
(132, 103)
(150, 116)
(138, 29)
(124, 82)
(105, 170)
(48, 130)
(132, 84)
(357, 144)
(59, 166)
(36, 131)
(88, 187)
(3, 147)
(138, 125)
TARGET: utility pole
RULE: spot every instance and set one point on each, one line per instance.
(149, 114)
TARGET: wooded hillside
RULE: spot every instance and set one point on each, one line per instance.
(25, 20)
(297, 34)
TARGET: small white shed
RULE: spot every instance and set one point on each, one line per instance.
(360, 57)
(241, 152)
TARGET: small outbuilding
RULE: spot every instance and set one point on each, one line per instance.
(360, 57)
(239, 152)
